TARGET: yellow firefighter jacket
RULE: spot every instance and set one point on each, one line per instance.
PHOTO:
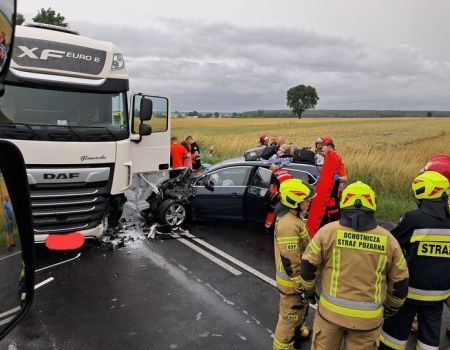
(360, 273)
(291, 240)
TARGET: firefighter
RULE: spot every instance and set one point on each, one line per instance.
(362, 269)
(424, 235)
(291, 239)
(279, 175)
(340, 178)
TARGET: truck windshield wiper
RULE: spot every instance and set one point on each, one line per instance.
(19, 131)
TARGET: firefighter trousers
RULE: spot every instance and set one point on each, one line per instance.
(395, 331)
(327, 335)
(290, 319)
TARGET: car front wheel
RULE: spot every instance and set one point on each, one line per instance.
(172, 212)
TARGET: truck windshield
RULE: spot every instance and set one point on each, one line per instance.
(42, 107)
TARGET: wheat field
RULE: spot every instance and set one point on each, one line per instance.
(385, 153)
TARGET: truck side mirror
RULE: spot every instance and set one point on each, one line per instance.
(7, 26)
(146, 108)
(16, 239)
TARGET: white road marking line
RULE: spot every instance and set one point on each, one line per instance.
(8, 256)
(210, 257)
(7, 320)
(6, 313)
(237, 262)
(233, 260)
(43, 282)
(62, 262)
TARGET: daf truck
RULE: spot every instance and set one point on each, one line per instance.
(83, 136)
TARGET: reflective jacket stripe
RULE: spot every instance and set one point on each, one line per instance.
(428, 295)
(289, 239)
(431, 234)
(314, 247)
(282, 346)
(286, 281)
(307, 284)
(422, 346)
(401, 263)
(392, 342)
(335, 273)
(360, 305)
(394, 300)
(349, 311)
(380, 268)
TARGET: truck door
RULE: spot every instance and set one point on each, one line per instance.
(149, 151)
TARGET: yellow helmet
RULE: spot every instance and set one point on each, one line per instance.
(293, 192)
(358, 195)
(430, 185)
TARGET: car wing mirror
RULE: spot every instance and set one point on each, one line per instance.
(16, 239)
(7, 26)
(209, 184)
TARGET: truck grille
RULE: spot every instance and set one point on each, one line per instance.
(65, 208)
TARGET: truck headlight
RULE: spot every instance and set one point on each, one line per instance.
(117, 61)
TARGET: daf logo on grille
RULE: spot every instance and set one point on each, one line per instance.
(61, 176)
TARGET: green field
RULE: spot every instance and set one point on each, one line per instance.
(385, 153)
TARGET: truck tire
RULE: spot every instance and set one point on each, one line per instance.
(172, 212)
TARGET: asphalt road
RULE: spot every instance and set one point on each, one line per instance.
(158, 294)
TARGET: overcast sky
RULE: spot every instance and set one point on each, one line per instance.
(238, 55)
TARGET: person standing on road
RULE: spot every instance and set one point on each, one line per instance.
(177, 153)
(9, 222)
(187, 160)
(362, 268)
(318, 156)
(290, 240)
(332, 212)
(424, 235)
(195, 151)
(279, 175)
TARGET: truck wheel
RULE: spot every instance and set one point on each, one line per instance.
(172, 212)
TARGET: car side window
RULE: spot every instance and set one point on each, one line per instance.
(302, 175)
(262, 178)
(231, 176)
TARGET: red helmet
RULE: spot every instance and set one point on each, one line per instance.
(440, 164)
(263, 138)
(327, 140)
(282, 175)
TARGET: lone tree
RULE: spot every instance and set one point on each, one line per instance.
(300, 98)
(49, 16)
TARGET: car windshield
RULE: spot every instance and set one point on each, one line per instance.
(24, 105)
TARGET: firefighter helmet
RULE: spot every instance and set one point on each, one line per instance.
(358, 195)
(293, 192)
(429, 185)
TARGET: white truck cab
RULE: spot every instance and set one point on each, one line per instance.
(66, 107)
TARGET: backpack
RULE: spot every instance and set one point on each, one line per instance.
(268, 152)
(304, 155)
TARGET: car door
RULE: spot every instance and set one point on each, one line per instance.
(255, 200)
(223, 195)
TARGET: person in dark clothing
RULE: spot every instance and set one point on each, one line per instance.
(424, 236)
(195, 152)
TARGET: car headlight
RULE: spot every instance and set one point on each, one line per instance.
(117, 61)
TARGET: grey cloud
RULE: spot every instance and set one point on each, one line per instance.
(226, 67)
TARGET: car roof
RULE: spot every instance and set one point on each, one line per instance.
(312, 169)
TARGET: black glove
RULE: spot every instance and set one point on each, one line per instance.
(389, 312)
(307, 297)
